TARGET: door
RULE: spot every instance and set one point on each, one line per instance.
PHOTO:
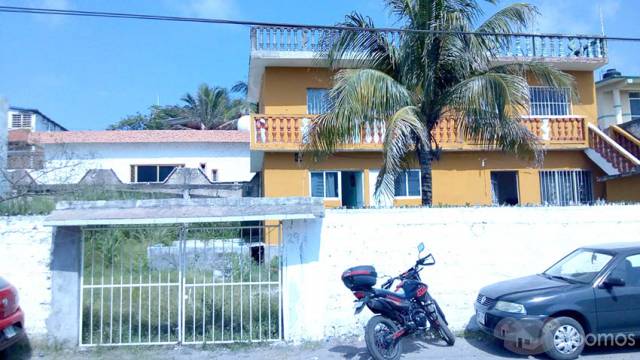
(618, 308)
(504, 187)
(352, 189)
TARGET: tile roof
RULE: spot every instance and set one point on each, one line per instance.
(140, 136)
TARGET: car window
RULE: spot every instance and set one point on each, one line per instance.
(635, 260)
(582, 265)
(628, 270)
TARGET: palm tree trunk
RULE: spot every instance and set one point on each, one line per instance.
(425, 159)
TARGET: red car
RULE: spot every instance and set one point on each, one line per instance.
(11, 316)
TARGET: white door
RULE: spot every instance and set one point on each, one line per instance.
(383, 201)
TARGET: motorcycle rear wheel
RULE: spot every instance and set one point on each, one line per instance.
(378, 337)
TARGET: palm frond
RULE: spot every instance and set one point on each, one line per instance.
(360, 48)
(511, 19)
(403, 131)
(358, 96)
(240, 87)
(488, 109)
(541, 74)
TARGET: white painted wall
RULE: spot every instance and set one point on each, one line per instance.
(25, 255)
(42, 124)
(473, 247)
(606, 109)
(67, 163)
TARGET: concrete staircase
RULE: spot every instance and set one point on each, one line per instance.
(609, 155)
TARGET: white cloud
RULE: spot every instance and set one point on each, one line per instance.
(208, 8)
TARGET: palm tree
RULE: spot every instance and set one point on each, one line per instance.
(209, 105)
(412, 82)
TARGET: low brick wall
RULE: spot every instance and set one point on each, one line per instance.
(25, 256)
(473, 247)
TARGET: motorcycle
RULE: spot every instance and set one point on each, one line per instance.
(398, 314)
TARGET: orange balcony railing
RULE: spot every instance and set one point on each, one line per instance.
(286, 133)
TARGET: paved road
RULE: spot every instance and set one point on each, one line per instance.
(468, 348)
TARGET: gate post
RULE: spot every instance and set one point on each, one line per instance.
(63, 324)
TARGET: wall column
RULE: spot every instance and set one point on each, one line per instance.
(63, 322)
(617, 106)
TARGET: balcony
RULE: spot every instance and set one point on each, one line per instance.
(281, 46)
(592, 49)
(285, 133)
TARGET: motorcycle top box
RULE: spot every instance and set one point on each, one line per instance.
(360, 277)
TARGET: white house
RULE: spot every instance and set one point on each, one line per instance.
(618, 99)
(144, 156)
(30, 119)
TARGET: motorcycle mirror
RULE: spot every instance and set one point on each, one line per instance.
(420, 248)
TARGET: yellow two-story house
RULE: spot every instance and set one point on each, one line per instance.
(289, 82)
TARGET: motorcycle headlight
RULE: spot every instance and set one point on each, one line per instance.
(510, 307)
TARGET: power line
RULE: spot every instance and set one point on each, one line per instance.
(117, 15)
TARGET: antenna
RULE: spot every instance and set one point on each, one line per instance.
(601, 19)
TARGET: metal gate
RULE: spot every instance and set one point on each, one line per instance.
(154, 285)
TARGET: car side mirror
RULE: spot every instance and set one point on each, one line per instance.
(613, 281)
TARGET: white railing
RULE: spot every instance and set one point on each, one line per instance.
(282, 38)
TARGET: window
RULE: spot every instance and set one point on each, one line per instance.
(21, 120)
(324, 184)
(566, 187)
(549, 101)
(634, 105)
(582, 265)
(151, 173)
(407, 184)
(628, 270)
(317, 101)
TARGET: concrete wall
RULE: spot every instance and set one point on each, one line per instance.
(67, 163)
(624, 189)
(284, 90)
(606, 109)
(25, 256)
(473, 247)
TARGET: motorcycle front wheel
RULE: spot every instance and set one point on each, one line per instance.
(442, 326)
(445, 332)
(379, 338)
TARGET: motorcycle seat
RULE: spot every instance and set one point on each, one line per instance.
(384, 293)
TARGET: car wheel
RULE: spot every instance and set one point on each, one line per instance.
(563, 338)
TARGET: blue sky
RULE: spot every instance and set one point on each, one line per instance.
(87, 73)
